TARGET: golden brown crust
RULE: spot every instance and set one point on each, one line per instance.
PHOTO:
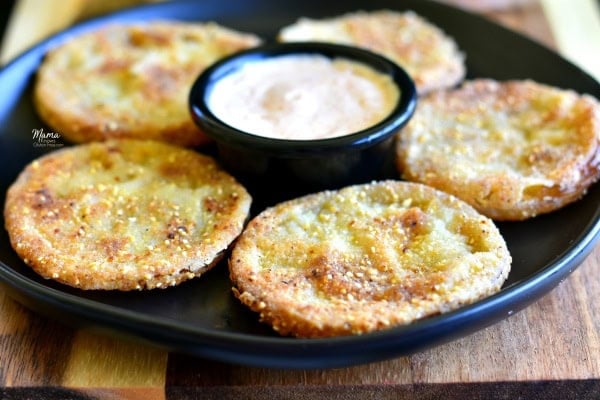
(512, 150)
(365, 258)
(131, 81)
(430, 56)
(124, 214)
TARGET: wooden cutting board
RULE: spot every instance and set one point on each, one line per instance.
(549, 350)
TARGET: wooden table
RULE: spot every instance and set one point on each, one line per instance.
(550, 350)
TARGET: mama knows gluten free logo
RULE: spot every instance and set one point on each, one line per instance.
(46, 139)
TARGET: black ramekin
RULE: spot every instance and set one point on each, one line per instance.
(303, 164)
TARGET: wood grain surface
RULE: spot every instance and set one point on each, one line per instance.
(549, 350)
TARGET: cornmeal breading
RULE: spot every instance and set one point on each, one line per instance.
(124, 214)
(131, 81)
(512, 150)
(430, 56)
(365, 258)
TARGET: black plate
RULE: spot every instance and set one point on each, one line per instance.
(201, 317)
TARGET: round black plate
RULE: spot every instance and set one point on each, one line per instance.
(201, 317)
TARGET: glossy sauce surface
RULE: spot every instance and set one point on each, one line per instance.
(303, 97)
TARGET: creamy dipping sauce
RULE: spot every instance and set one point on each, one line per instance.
(303, 97)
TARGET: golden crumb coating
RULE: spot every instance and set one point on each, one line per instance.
(430, 56)
(131, 81)
(124, 214)
(365, 258)
(513, 150)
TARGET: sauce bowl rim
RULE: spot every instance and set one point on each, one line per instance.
(224, 133)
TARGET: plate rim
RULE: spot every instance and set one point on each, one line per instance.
(133, 323)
